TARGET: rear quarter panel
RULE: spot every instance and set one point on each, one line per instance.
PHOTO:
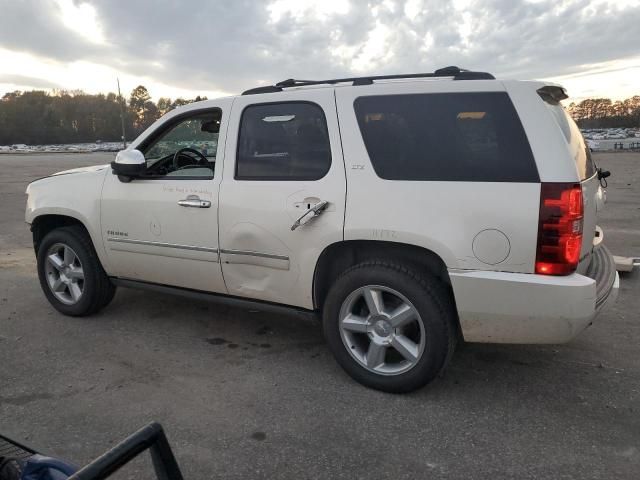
(443, 217)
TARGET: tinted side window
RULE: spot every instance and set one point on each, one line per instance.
(283, 141)
(446, 137)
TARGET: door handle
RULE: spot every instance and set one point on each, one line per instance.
(194, 202)
(310, 214)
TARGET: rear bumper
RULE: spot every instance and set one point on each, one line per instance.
(499, 307)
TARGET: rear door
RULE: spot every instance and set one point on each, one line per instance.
(283, 158)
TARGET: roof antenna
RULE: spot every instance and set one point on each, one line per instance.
(121, 100)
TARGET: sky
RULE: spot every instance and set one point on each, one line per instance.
(215, 48)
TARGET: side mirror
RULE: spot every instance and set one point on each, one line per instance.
(603, 173)
(129, 164)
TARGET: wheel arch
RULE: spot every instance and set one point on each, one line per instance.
(45, 223)
(101, 288)
(339, 256)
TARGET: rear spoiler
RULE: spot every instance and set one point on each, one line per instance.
(552, 93)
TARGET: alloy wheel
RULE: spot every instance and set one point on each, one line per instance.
(65, 275)
(382, 330)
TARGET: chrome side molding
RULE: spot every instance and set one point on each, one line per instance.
(162, 244)
(254, 254)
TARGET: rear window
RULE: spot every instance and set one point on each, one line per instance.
(579, 150)
(469, 137)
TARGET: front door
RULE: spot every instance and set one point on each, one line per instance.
(163, 228)
(283, 160)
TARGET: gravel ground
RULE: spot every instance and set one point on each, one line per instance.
(244, 394)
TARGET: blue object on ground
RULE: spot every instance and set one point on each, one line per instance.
(39, 467)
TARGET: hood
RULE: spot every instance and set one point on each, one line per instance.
(93, 168)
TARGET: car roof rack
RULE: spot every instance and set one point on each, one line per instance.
(455, 72)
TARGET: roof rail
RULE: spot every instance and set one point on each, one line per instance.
(455, 72)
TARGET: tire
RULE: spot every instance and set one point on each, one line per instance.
(416, 343)
(64, 255)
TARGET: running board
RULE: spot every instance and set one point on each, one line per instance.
(221, 299)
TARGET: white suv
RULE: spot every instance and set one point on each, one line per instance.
(409, 211)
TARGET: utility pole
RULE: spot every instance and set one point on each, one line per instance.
(124, 138)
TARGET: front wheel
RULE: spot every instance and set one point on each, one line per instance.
(70, 273)
(388, 326)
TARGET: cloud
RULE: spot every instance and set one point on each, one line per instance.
(230, 46)
(35, 26)
(32, 82)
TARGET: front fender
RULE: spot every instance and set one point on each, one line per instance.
(75, 196)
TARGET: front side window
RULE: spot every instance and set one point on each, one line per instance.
(445, 137)
(186, 148)
(283, 141)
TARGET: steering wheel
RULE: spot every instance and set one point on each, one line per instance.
(202, 159)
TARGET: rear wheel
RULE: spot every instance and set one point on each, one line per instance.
(70, 273)
(388, 326)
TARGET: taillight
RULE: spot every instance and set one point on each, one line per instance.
(559, 228)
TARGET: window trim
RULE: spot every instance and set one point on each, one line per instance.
(528, 143)
(276, 178)
(168, 125)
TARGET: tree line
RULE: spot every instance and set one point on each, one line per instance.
(604, 113)
(39, 117)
